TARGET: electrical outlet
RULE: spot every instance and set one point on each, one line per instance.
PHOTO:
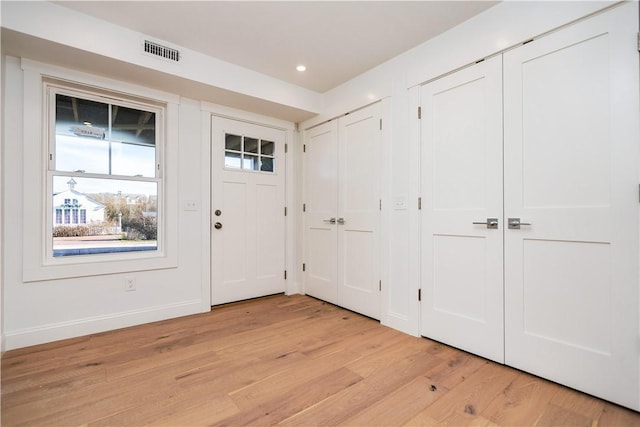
(129, 284)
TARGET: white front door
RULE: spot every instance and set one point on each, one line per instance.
(342, 211)
(247, 205)
(461, 156)
(571, 174)
(359, 207)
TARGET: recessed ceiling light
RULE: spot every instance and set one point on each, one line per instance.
(301, 68)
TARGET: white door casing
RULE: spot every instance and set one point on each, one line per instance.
(571, 171)
(461, 157)
(248, 251)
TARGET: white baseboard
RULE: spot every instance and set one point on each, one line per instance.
(91, 325)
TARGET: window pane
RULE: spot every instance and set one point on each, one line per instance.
(80, 132)
(250, 145)
(133, 160)
(133, 142)
(86, 143)
(250, 162)
(267, 147)
(107, 216)
(232, 142)
(232, 160)
(266, 164)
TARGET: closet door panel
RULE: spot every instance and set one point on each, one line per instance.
(359, 211)
(461, 156)
(321, 206)
(571, 174)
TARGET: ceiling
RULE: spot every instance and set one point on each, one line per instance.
(336, 40)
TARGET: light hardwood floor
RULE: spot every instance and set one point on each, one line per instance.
(278, 360)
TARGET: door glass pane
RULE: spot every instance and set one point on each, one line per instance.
(266, 164)
(250, 162)
(232, 160)
(250, 145)
(232, 142)
(267, 147)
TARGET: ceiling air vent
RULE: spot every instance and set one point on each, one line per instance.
(161, 51)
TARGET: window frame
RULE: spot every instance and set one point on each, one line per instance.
(52, 89)
(244, 153)
(37, 204)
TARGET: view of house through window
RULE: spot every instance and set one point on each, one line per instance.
(104, 176)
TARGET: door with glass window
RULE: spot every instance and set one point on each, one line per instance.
(247, 211)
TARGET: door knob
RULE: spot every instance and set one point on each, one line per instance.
(217, 226)
(490, 223)
(330, 220)
(218, 212)
(341, 221)
(514, 223)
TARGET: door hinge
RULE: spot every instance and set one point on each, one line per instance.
(50, 156)
(285, 275)
(380, 285)
(419, 113)
(286, 147)
(304, 267)
(380, 204)
(380, 124)
(419, 294)
(638, 42)
(419, 203)
(304, 148)
(285, 211)
(304, 207)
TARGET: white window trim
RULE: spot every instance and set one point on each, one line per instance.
(38, 264)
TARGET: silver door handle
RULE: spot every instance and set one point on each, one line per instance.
(341, 221)
(330, 220)
(490, 223)
(514, 223)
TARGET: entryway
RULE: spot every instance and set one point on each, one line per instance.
(248, 210)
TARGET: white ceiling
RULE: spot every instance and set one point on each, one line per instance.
(336, 40)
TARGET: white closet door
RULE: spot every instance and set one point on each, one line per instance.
(571, 173)
(462, 269)
(321, 211)
(248, 248)
(359, 207)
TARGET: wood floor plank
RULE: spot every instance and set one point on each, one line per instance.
(464, 404)
(377, 385)
(520, 403)
(282, 382)
(281, 360)
(399, 406)
(282, 404)
(554, 415)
